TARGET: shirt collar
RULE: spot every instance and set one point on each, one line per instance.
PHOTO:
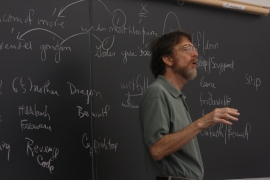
(170, 88)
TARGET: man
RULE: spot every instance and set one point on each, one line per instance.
(169, 135)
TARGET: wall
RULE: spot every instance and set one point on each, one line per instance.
(73, 72)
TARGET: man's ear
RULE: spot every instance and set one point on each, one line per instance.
(168, 60)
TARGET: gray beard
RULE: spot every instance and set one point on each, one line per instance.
(188, 74)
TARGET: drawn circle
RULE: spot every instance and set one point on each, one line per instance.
(181, 3)
(171, 23)
(108, 43)
(119, 18)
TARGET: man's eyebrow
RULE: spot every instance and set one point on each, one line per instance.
(186, 45)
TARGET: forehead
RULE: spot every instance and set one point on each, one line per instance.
(183, 41)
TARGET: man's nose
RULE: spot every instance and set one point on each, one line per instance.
(195, 54)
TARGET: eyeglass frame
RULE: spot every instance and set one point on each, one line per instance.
(189, 48)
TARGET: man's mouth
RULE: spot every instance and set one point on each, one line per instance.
(195, 62)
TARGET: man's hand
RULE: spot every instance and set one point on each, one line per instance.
(175, 141)
(219, 115)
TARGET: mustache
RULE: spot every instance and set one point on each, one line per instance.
(194, 60)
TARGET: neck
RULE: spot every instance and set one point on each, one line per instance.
(177, 80)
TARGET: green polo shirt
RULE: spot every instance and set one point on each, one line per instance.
(163, 110)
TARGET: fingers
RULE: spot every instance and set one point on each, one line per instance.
(225, 115)
(223, 121)
(219, 115)
(231, 113)
(228, 120)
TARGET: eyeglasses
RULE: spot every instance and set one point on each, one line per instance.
(189, 48)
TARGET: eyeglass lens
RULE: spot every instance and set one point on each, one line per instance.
(190, 48)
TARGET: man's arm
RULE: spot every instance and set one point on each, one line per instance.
(173, 142)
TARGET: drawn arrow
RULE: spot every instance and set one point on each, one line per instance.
(19, 37)
(63, 9)
(73, 36)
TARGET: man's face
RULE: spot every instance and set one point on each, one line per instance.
(185, 59)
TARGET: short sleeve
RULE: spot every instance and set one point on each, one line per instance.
(155, 120)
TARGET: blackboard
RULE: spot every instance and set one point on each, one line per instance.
(72, 74)
(233, 48)
(44, 74)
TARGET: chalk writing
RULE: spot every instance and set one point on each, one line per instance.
(51, 23)
(9, 18)
(140, 52)
(129, 104)
(30, 126)
(145, 52)
(143, 13)
(119, 26)
(104, 112)
(177, 23)
(134, 85)
(132, 30)
(43, 89)
(226, 132)
(221, 66)
(67, 6)
(181, 3)
(200, 41)
(253, 81)
(99, 28)
(5, 146)
(202, 63)
(206, 84)
(29, 17)
(118, 16)
(212, 64)
(33, 150)
(87, 93)
(210, 101)
(58, 48)
(104, 47)
(98, 145)
(18, 46)
(19, 36)
(32, 110)
(127, 54)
